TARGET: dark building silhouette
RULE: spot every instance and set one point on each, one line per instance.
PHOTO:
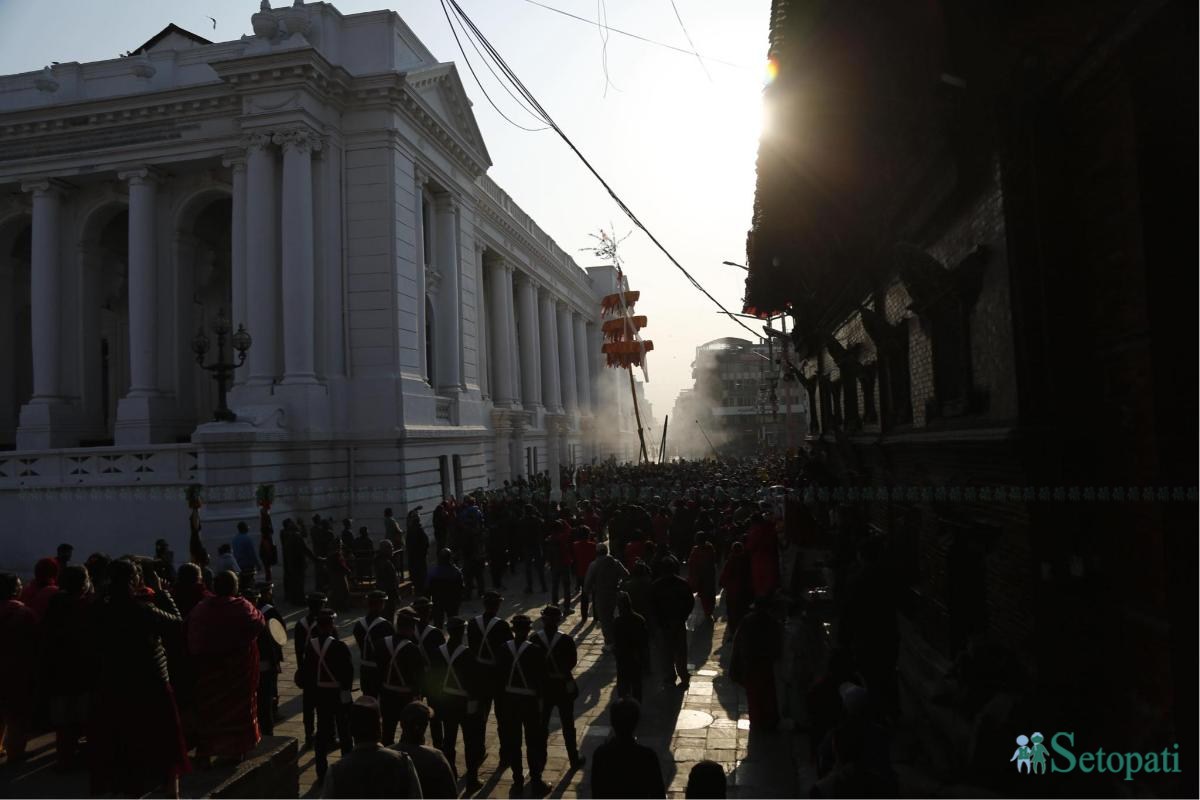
(982, 216)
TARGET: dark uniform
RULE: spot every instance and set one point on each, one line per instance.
(270, 662)
(369, 632)
(328, 673)
(429, 638)
(521, 663)
(402, 673)
(301, 633)
(486, 635)
(560, 687)
(454, 682)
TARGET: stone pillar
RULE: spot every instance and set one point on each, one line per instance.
(502, 451)
(566, 359)
(531, 388)
(420, 179)
(262, 262)
(238, 277)
(45, 289)
(297, 255)
(143, 415)
(44, 417)
(143, 283)
(583, 371)
(514, 346)
(483, 335)
(449, 305)
(551, 396)
(498, 318)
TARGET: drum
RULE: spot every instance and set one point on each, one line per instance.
(277, 631)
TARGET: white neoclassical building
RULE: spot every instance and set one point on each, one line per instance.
(323, 182)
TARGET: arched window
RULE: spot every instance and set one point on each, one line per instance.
(430, 350)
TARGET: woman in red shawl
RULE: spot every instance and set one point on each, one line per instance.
(702, 573)
(43, 586)
(222, 636)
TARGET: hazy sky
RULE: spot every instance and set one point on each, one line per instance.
(676, 144)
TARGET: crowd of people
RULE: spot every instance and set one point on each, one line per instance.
(148, 663)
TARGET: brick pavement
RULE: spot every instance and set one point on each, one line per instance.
(709, 721)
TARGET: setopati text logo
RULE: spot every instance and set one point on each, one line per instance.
(1033, 757)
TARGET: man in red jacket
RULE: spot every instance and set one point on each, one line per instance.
(583, 552)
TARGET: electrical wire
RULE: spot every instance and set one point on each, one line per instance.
(524, 91)
(639, 37)
(478, 82)
(499, 80)
(691, 44)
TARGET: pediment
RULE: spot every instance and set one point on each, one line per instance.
(441, 91)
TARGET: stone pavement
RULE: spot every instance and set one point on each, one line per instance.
(709, 721)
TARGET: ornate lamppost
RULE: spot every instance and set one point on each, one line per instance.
(221, 369)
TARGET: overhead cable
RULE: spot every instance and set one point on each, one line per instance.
(524, 91)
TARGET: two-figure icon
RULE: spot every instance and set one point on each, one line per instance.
(1030, 754)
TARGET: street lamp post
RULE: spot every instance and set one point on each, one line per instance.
(221, 369)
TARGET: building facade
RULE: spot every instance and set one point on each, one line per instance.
(323, 183)
(741, 403)
(972, 220)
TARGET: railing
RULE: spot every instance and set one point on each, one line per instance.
(99, 466)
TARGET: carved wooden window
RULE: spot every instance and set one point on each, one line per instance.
(943, 299)
(850, 416)
(866, 379)
(899, 380)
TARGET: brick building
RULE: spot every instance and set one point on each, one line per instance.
(981, 218)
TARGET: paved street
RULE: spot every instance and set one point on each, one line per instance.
(708, 722)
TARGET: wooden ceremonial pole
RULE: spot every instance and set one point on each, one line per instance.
(638, 414)
(662, 448)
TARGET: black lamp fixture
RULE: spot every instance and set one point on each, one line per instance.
(221, 369)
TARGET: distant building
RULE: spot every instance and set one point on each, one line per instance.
(738, 403)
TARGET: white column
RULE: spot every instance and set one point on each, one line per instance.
(297, 254)
(551, 396)
(502, 390)
(448, 341)
(262, 263)
(510, 322)
(566, 359)
(237, 165)
(583, 376)
(419, 181)
(143, 282)
(483, 336)
(531, 390)
(45, 288)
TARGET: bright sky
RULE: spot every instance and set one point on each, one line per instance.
(677, 145)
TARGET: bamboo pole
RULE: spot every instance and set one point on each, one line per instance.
(662, 448)
(638, 414)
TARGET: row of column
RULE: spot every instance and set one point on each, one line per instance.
(46, 285)
(275, 280)
(548, 334)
